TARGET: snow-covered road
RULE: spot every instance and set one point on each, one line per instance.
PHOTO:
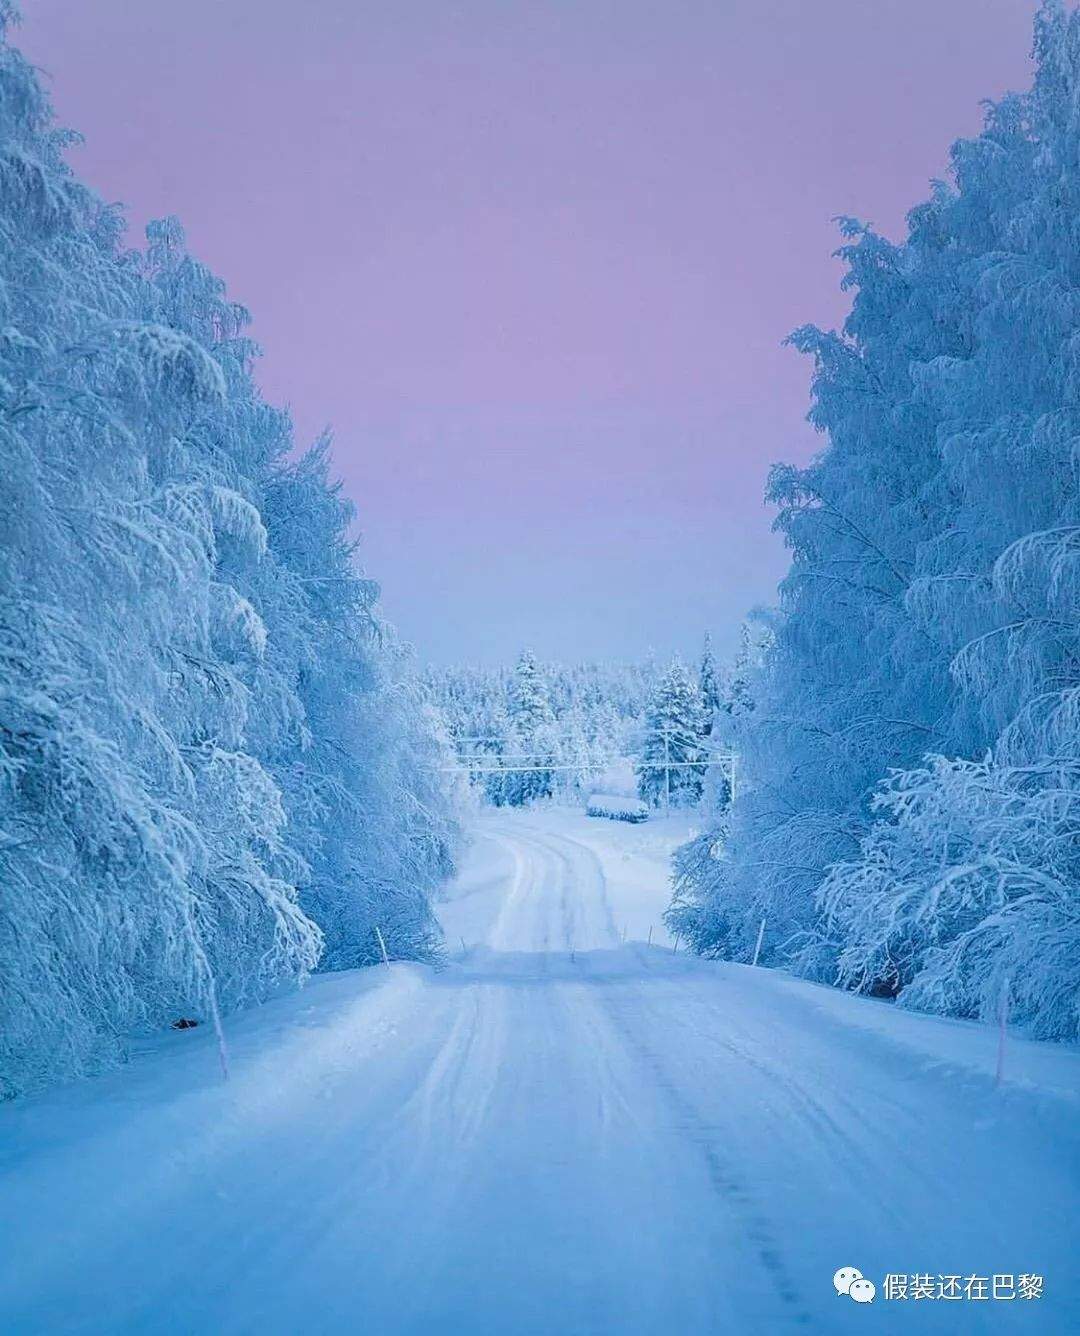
(562, 1132)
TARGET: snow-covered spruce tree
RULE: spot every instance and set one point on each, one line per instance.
(531, 718)
(694, 865)
(709, 684)
(931, 610)
(530, 707)
(671, 767)
(737, 697)
(172, 621)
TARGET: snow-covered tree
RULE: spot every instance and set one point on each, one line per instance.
(531, 717)
(738, 697)
(908, 771)
(709, 684)
(964, 895)
(671, 768)
(530, 708)
(695, 864)
(213, 770)
(596, 716)
(994, 896)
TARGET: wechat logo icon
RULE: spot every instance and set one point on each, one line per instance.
(850, 1280)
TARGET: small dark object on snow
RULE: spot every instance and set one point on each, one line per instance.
(184, 1023)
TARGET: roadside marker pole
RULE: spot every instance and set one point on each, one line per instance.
(1003, 1018)
(757, 944)
(650, 934)
(382, 947)
(464, 948)
(675, 948)
(219, 1033)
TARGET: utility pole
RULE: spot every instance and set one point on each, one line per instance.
(667, 775)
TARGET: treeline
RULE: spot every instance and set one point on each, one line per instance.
(910, 822)
(569, 720)
(539, 730)
(215, 775)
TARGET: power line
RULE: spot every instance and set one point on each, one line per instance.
(581, 765)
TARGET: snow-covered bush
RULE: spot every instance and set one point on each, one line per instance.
(966, 891)
(616, 807)
(213, 771)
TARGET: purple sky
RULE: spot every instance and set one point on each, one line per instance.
(534, 262)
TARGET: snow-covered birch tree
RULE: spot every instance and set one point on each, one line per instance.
(908, 809)
(213, 771)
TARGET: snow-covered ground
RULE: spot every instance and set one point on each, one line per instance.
(562, 1132)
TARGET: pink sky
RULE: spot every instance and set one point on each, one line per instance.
(534, 262)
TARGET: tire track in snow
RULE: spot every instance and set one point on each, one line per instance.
(830, 1119)
(723, 1175)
